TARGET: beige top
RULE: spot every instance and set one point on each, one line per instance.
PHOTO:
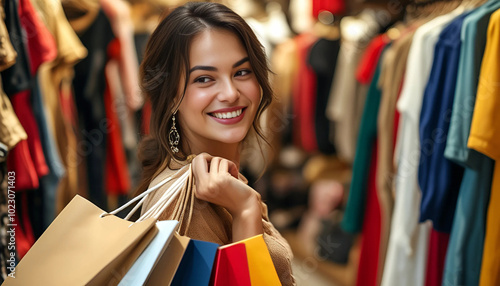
(210, 222)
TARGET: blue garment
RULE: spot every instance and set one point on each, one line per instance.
(439, 179)
(48, 183)
(465, 249)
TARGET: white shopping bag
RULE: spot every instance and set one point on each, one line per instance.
(141, 269)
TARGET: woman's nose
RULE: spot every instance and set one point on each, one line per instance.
(229, 92)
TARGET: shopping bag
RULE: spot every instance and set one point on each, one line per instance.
(260, 264)
(147, 261)
(196, 265)
(159, 263)
(167, 265)
(231, 266)
(82, 247)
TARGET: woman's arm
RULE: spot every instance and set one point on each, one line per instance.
(248, 222)
(217, 182)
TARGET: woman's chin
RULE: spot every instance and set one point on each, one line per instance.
(232, 138)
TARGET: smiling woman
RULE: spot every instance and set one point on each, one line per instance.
(206, 76)
(222, 95)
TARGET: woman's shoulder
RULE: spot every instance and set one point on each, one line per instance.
(175, 168)
(163, 181)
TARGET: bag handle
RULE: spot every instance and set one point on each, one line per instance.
(169, 195)
(166, 199)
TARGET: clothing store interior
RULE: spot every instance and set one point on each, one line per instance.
(384, 129)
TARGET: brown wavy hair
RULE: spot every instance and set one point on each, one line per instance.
(166, 61)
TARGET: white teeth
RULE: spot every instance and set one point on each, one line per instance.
(228, 115)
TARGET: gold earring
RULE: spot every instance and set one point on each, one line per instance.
(173, 136)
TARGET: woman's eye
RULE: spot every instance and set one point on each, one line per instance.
(202, 79)
(242, 72)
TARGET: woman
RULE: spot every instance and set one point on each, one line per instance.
(206, 76)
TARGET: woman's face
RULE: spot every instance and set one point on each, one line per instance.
(222, 94)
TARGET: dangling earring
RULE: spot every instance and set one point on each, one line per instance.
(173, 136)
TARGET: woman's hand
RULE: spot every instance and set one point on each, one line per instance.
(217, 182)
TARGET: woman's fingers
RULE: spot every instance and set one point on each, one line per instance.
(233, 169)
(224, 166)
(214, 165)
(200, 164)
(209, 164)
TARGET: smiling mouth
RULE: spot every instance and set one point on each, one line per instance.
(227, 115)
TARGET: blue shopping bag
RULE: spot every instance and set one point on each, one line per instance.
(196, 264)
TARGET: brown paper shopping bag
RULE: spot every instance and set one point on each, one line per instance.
(83, 247)
(165, 270)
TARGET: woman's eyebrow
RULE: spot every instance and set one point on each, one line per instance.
(211, 68)
(240, 62)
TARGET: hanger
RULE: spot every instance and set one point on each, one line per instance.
(427, 9)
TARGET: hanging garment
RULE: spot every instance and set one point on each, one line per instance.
(41, 48)
(390, 82)
(323, 58)
(284, 62)
(40, 43)
(347, 96)
(119, 13)
(11, 130)
(363, 208)
(54, 78)
(7, 53)
(7, 260)
(21, 103)
(304, 96)
(89, 85)
(465, 249)
(408, 242)
(485, 138)
(438, 245)
(367, 273)
(336, 7)
(50, 182)
(27, 158)
(354, 212)
(368, 62)
(117, 178)
(439, 179)
(18, 76)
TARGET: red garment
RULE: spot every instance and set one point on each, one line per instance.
(368, 63)
(336, 7)
(19, 161)
(304, 96)
(370, 243)
(438, 245)
(27, 158)
(24, 232)
(117, 179)
(41, 44)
